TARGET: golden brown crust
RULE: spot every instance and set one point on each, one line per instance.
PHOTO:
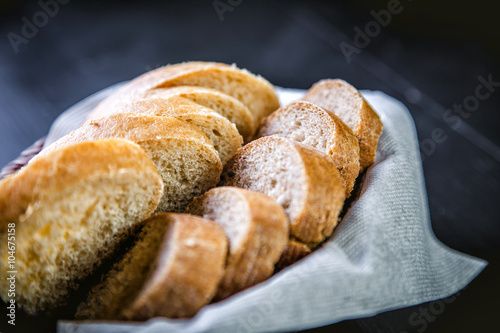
(324, 198)
(320, 129)
(60, 169)
(188, 270)
(294, 251)
(322, 192)
(253, 91)
(225, 105)
(257, 231)
(360, 117)
(130, 127)
(370, 129)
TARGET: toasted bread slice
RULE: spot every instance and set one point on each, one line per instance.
(346, 102)
(172, 271)
(221, 132)
(302, 179)
(257, 228)
(256, 93)
(314, 126)
(184, 157)
(70, 209)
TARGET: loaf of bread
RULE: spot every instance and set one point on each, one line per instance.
(346, 102)
(256, 93)
(69, 210)
(172, 271)
(220, 131)
(257, 228)
(294, 251)
(184, 157)
(302, 179)
(314, 126)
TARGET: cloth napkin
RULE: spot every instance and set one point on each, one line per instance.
(382, 256)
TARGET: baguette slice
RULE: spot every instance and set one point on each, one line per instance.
(71, 209)
(221, 132)
(346, 102)
(253, 91)
(302, 179)
(314, 126)
(172, 271)
(257, 228)
(227, 106)
(184, 157)
(294, 251)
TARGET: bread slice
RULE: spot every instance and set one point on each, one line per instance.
(221, 132)
(314, 126)
(253, 91)
(172, 271)
(302, 179)
(70, 209)
(184, 157)
(294, 251)
(346, 102)
(225, 105)
(257, 228)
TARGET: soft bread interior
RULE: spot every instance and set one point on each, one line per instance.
(312, 125)
(340, 98)
(187, 169)
(274, 169)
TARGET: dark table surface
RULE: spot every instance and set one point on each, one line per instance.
(431, 56)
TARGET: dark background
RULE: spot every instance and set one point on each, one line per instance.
(429, 56)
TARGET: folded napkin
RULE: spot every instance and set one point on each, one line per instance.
(382, 256)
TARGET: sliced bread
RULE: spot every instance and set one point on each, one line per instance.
(257, 228)
(314, 126)
(302, 179)
(184, 157)
(68, 210)
(221, 132)
(225, 105)
(253, 91)
(346, 102)
(172, 271)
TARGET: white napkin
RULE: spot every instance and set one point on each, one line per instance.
(382, 256)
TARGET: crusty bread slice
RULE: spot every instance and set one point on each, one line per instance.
(172, 271)
(257, 228)
(302, 179)
(253, 91)
(314, 126)
(346, 102)
(221, 132)
(71, 209)
(184, 157)
(225, 105)
(294, 251)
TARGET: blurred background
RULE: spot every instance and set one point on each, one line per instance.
(441, 59)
